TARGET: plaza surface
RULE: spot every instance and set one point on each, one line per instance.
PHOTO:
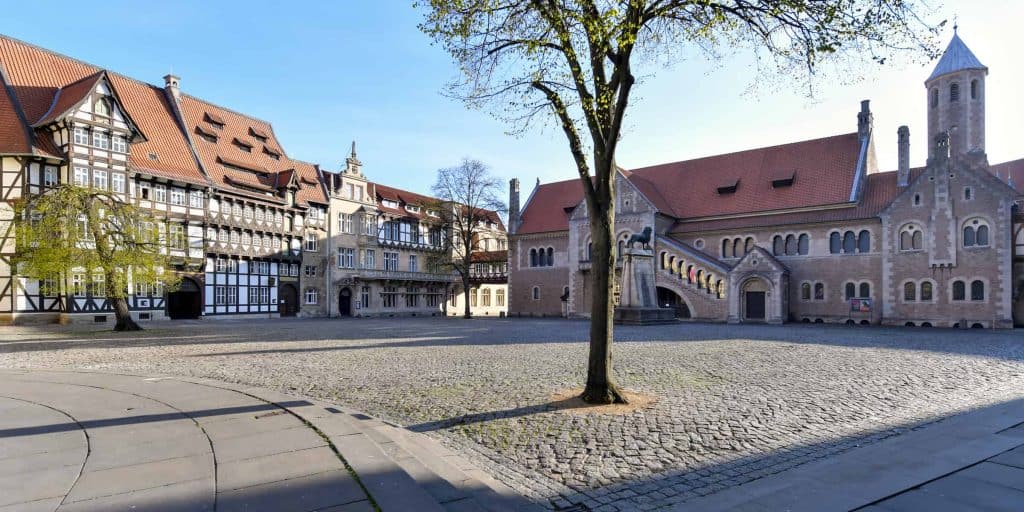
(734, 404)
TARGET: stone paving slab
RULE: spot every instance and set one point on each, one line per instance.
(83, 441)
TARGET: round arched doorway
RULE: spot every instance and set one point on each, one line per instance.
(755, 300)
(186, 301)
(288, 300)
(345, 302)
(670, 299)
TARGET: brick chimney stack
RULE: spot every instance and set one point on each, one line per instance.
(865, 120)
(903, 145)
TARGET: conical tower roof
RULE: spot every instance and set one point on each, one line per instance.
(957, 57)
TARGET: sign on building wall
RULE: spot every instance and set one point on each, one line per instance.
(860, 305)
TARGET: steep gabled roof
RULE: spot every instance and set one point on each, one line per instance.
(957, 57)
(35, 75)
(14, 135)
(550, 206)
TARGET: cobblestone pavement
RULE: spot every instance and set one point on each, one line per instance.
(734, 403)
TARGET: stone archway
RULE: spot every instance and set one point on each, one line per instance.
(670, 299)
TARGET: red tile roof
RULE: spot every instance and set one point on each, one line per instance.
(549, 207)
(1011, 173)
(824, 175)
(68, 97)
(488, 256)
(879, 190)
(35, 75)
(14, 137)
(221, 157)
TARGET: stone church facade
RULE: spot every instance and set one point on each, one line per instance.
(810, 231)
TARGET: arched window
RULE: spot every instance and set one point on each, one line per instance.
(551, 257)
(622, 245)
(935, 97)
(803, 245)
(909, 291)
(689, 273)
(777, 248)
(864, 241)
(954, 92)
(969, 237)
(959, 290)
(968, 193)
(917, 199)
(865, 290)
(834, 243)
(926, 291)
(819, 291)
(977, 290)
(671, 263)
(911, 238)
(533, 257)
(737, 248)
(851, 291)
(983, 235)
(974, 89)
(720, 289)
(975, 233)
(700, 281)
(725, 247)
(536, 293)
(849, 242)
(790, 245)
(748, 245)
(805, 291)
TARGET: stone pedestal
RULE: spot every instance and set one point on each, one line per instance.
(638, 299)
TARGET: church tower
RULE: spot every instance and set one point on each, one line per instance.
(956, 100)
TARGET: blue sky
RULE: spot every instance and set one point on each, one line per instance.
(325, 75)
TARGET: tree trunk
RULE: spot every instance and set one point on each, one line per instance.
(465, 290)
(125, 322)
(601, 387)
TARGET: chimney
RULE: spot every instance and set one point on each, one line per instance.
(865, 120)
(903, 151)
(171, 85)
(513, 205)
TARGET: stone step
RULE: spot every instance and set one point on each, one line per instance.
(477, 489)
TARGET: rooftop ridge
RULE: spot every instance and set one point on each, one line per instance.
(742, 151)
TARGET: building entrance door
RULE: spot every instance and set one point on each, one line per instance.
(755, 306)
(288, 300)
(345, 302)
(186, 301)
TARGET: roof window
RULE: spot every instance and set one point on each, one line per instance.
(242, 145)
(783, 179)
(206, 134)
(271, 153)
(728, 187)
(214, 119)
(259, 134)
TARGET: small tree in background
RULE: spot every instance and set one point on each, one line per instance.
(575, 62)
(469, 197)
(73, 228)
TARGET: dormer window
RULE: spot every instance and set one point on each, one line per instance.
(271, 153)
(390, 204)
(214, 120)
(411, 208)
(258, 134)
(206, 134)
(242, 145)
(728, 187)
(783, 179)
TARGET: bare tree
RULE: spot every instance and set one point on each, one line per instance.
(72, 227)
(575, 62)
(469, 200)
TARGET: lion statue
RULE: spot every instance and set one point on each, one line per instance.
(644, 239)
